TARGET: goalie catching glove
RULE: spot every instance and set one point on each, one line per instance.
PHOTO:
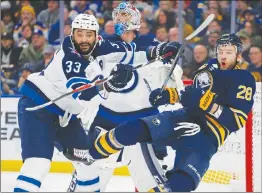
(162, 49)
(122, 74)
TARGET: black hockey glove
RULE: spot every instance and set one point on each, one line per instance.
(122, 74)
(164, 48)
(168, 96)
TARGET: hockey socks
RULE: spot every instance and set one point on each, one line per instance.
(32, 174)
(125, 134)
(105, 145)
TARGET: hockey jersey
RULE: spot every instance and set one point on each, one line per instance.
(68, 70)
(234, 91)
(133, 102)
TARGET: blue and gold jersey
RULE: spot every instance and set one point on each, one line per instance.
(233, 91)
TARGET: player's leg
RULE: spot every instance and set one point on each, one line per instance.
(160, 152)
(191, 163)
(87, 176)
(158, 129)
(37, 139)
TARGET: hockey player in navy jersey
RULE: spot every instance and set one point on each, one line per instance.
(215, 105)
(83, 58)
(115, 110)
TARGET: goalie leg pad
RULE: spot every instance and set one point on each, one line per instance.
(87, 177)
(145, 170)
(32, 174)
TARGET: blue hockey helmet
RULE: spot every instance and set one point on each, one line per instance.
(232, 39)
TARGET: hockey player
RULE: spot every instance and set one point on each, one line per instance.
(116, 109)
(218, 101)
(70, 67)
(81, 59)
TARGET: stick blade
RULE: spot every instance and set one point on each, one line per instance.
(201, 27)
(39, 106)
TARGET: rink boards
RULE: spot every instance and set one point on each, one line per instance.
(10, 143)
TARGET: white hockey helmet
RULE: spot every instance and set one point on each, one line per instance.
(85, 21)
(130, 21)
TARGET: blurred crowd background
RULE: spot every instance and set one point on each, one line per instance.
(30, 32)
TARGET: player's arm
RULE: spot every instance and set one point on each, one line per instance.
(234, 118)
(200, 95)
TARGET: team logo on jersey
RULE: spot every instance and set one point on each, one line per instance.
(204, 79)
(156, 121)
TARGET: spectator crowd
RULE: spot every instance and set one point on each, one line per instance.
(30, 32)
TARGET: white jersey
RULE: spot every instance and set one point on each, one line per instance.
(133, 102)
(69, 70)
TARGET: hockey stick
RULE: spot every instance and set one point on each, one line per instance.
(180, 51)
(155, 168)
(96, 83)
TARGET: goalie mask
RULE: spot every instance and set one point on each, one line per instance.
(85, 22)
(126, 17)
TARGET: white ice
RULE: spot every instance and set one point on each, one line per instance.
(58, 182)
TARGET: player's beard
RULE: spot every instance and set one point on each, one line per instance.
(80, 51)
(231, 67)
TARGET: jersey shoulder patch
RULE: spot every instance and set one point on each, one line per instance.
(210, 65)
(203, 79)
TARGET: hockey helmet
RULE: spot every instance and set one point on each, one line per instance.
(85, 21)
(232, 39)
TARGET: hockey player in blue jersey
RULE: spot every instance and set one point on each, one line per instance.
(68, 69)
(84, 57)
(81, 59)
(115, 109)
(215, 105)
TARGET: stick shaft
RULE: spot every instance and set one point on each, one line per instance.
(90, 85)
(180, 52)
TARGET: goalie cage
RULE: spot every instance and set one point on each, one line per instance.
(237, 164)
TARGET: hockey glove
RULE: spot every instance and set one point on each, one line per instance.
(122, 74)
(164, 48)
(198, 98)
(168, 96)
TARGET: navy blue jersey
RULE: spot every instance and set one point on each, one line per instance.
(234, 90)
